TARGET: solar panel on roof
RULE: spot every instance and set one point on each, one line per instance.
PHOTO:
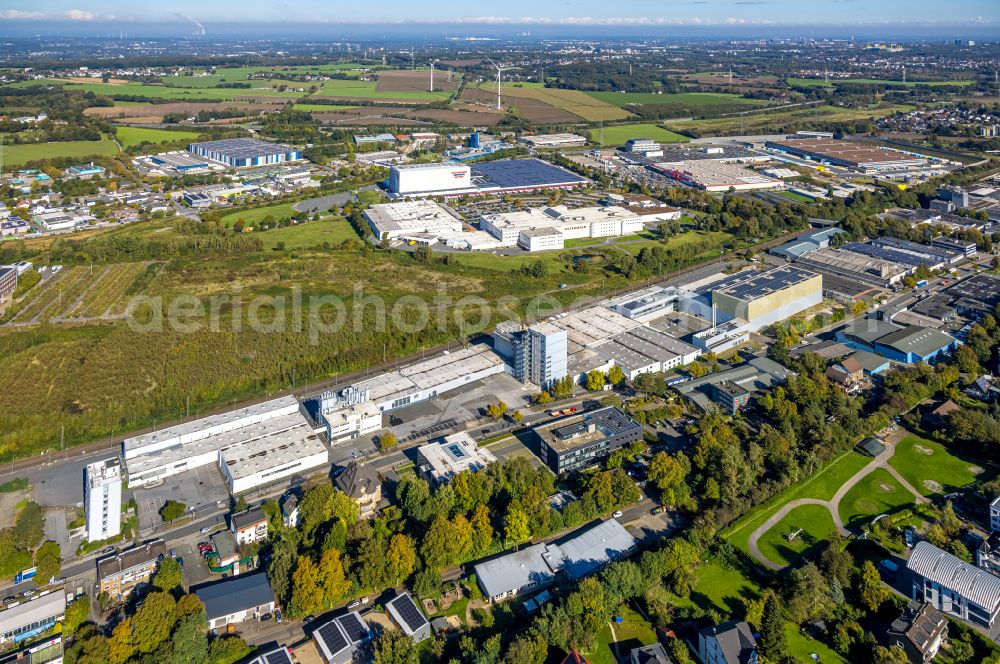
(409, 612)
(333, 636)
(355, 627)
(278, 657)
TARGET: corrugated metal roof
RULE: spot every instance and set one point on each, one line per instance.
(974, 584)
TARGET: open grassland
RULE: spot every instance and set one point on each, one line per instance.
(256, 215)
(132, 136)
(812, 524)
(415, 81)
(358, 89)
(321, 107)
(821, 486)
(931, 469)
(16, 155)
(309, 234)
(878, 493)
(579, 104)
(623, 99)
(782, 120)
(617, 135)
(819, 82)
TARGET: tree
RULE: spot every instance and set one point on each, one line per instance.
(595, 380)
(48, 560)
(426, 582)
(497, 410)
(669, 473)
(172, 509)
(387, 440)
(528, 648)
(227, 650)
(772, 643)
(516, 527)
(615, 375)
(543, 398)
(870, 588)
(189, 642)
(154, 621)
(697, 370)
(331, 572)
(890, 655)
(77, 613)
(307, 588)
(394, 647)
(279, 569)
(400, 558)
(169, 575)
(517, 417)
(120, 646)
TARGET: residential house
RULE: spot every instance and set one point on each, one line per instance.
(847, 373)
(729, 643)
(405, 613)
(362, 483)
(237, 600)
(919, 631)
(249, 525)
(340, 640)
(653, 654)
(984, 389)
(290, 510)
(119, 575)
(281, 655)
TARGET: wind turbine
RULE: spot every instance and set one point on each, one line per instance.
(432, 74)
(500, 71)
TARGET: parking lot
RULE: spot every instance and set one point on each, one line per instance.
(199, 489)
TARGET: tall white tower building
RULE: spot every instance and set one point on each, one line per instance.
(103, 499)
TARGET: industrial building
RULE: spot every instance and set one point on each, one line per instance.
(910, 258)
(964, 248)
(908, 344)
(649, 208)
(722, 337)
(974, 297)
(237, 599)
(646, 304)
(176, 163)
(719, 176)
(103, 499)
(805, 243)
(121, 574)
(511, 228)
(548, 141)
(245, 152)
(637, 351)
(255, 445)
(399, 221)
(27, 619)
(440, 461)
(930, 254)
(731, 389)
(429, 378)
(491, 177)
(866, 158)
(645, 147)
(856, 267)
(764, 298)
(537, 566)
(953, 586)
(535, 354)
(722, 153)
(346, 414)
(578, 441)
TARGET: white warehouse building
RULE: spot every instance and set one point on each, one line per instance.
(430, 179)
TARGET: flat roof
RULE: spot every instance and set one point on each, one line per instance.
(587, 327)
(248, 458)
(894, 254)
(586, 551)
(852, 262)
(567, 433)
(762, 284)
(453, 454)
(721, 174)
(983, 288)
(239, 148)
(39, 609)
(522, 174)
(856, 154)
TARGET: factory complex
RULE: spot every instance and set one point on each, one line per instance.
(864, 158)
(244, 152)
(491, 177)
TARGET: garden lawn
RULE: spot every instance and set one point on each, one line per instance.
(930, 467)
(309, 234)
(802, 647)
(878, 493)
(821, 486)
(16, 155)
(632, 632)
(617, 135)
(815, 525)
(131, 136)
(720, 588)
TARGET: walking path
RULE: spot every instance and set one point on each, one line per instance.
(832, 505)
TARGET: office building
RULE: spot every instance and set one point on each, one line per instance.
(646, 304)
(729, 643)
(578, 441)
(440, 461)
(764, 298)
(245, 152)
(407, 615)
(722, 337)
(27, 619)
(340, 640)
(757, 375)
(920, 631)
(345, 414)
(121, 574)
(964, 248)
(103, 500)
(8, 281)
(953, 586)
(236, 600)
(537, 566)
(249, 525)
(995, 515)
(646, 147)
(537, 353)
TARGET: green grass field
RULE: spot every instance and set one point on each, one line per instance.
(632, 632)
(369, 90)
(681, 99)
(930, 467)
(252, 217)
(310, 234)
(617, 135)
(15, 155)
(721, 589)
(260, 89)
(816, 526)
(878, 493)
(802, 647)
(819, 82)
(131, 136)
(821, 486)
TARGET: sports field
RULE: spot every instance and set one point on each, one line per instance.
(578, 103)
(679, 99)
(819, 82)
(15, 155)
(131, 136)
(618, 134)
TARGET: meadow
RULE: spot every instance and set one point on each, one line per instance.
(618, 134)
(623, 99)
(132, 136)
(357, 89)
(819, 82)
(16, 155)
(931, 469)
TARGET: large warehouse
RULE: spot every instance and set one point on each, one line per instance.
(492, 177)
(245, 152)
(866, 158)
(857, 267)
(511, 228)
(717, 176)
(764, 298)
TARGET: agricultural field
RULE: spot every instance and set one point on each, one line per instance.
(144, 112)
(931, 469)
(577, 103)
(132, 136)
(623, 99)
(812, 525)
(416, 81)
(155, 91)
(878, 493)
(618, 134)
(16, 155)
(783, 120)
(321, 107)
(819, 82)
(357, 89)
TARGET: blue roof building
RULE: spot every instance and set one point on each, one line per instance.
(915, 344)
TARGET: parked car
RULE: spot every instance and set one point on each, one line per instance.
(180, 561)
(617, 514)
(206, 529)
